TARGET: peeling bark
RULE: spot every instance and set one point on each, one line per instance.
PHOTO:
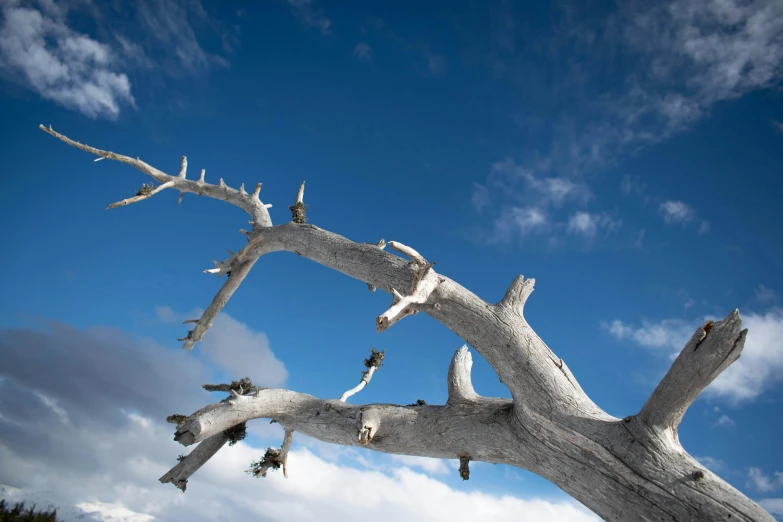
(622, 469)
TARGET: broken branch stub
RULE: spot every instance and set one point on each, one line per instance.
(299, 209)
(273, 458)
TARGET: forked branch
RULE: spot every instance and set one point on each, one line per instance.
(238, 265)
(249, 203)
(621, 469)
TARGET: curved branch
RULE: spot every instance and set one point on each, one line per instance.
(534, 375)
(481, 430)
(239, 198)
(712, 349)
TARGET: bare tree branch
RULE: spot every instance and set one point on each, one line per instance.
(712, 349)
(249, 203)
(179, 474)
(238, 265)
(387, 428)
(236, 270)
(532, 372)
(629, 469)
(373, 363)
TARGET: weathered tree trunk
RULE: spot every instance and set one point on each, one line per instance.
(631, 469)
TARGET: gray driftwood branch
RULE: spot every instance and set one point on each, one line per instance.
(622, 469)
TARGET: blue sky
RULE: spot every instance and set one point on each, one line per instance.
(627, 156)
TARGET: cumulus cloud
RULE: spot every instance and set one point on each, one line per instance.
(758, 369)
(62, 65)
(105, 459)
(310, 16)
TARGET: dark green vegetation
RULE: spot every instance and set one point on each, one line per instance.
(18, 513)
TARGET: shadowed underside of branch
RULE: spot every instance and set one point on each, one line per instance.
(623, 469)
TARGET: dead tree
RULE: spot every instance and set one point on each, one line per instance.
(623, 469)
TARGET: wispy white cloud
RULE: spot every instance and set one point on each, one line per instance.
(588, 225)
(525, 183)
(519, 222)
(170, 33)
(40, 51)
(678, 212)
(679, 58)
(632, 185)
(765, 295)
(638, 241)
(310, 15)
(763, 482)
(713, 464)
(690, 55)
(723, 420)
(527, 199)
(759, 369)
(480, 197)
(363, 52)
(436, 63)
(725, 48)
(668, 336)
